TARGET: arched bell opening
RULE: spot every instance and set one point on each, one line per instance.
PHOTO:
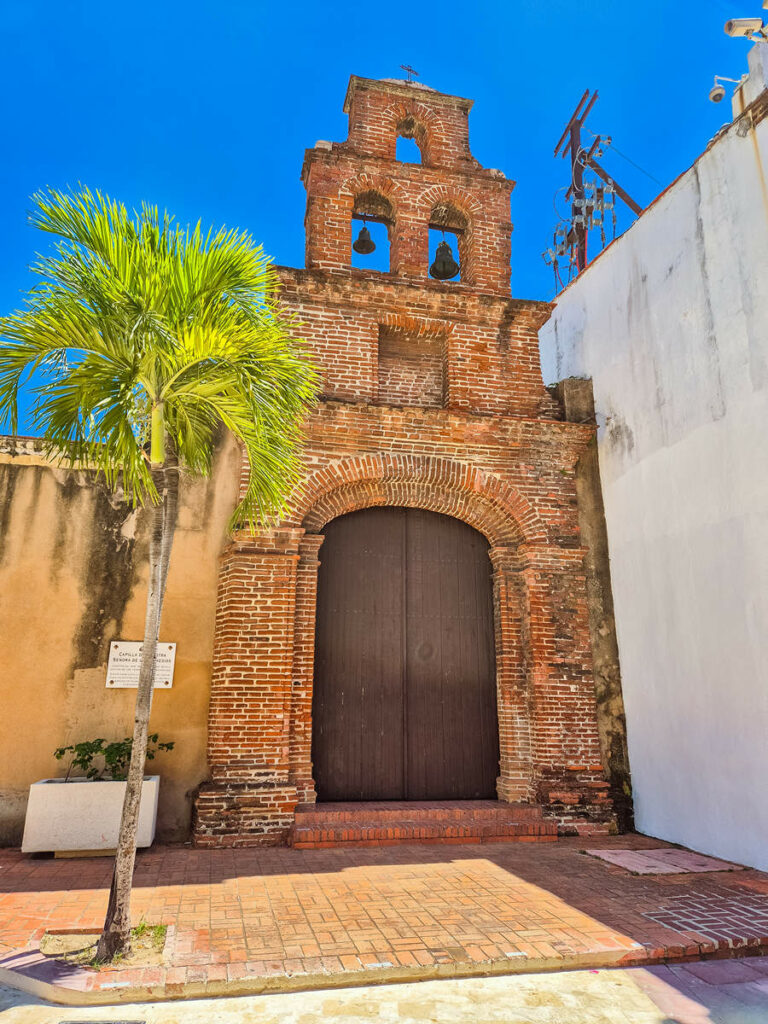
(502, 519)
(373, 219)
(449, 237)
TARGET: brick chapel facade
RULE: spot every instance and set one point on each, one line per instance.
(432, 407)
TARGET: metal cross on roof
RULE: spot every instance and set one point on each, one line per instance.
(409, 71)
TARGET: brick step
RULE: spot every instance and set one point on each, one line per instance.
(416, 811)
(449, 830)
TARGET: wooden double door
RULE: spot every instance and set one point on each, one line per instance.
(404, 704)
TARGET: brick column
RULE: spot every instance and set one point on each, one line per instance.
(409, 253)
(515, 781)
(568, 771)
(250, 798)
(303, 667)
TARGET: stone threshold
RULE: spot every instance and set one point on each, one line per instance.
(393, 822)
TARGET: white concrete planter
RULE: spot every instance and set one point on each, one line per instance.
(84, 815)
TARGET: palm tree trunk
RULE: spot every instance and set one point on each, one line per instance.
(116, 936)
(170, 511)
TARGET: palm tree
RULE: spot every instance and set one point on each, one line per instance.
(142, 341)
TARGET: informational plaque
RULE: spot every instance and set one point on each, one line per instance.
(125, 662)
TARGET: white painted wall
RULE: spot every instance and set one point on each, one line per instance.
(671, 323)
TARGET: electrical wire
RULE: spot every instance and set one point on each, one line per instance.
(558, 280)
(563, 188)
(629, 161)
(624, 156)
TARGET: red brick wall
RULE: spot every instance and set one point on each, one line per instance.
(432, 398)
(491, 343)
(379, 112)
(448, 186)
(411, 369)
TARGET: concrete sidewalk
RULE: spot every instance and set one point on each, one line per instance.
(258, 920)
(713, 992)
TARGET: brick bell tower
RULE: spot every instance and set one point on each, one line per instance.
(434, 432)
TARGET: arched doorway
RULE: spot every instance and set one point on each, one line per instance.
(404, 703)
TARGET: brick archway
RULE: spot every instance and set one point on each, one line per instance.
(420, 123)
(260, 719)
(483, 500)
(390, 193)
(463, 492)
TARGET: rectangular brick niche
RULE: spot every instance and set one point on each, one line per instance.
(411, 369)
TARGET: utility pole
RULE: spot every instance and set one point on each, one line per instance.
(572, 132)
(570, 141)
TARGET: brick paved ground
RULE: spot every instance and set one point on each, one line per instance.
(249, 918)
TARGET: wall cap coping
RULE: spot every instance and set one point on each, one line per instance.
(339, 152)
(419, 414)
(408, 90)
(347, 277)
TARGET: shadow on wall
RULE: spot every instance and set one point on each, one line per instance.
(72, 572)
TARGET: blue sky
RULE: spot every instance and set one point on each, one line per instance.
(206, 108)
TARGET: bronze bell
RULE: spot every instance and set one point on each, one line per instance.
(364, 244)
(445, 266)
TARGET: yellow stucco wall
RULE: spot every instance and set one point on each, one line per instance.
(73, 569)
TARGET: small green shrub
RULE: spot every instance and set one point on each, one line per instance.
(115, 757)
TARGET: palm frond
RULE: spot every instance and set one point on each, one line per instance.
(132, 313)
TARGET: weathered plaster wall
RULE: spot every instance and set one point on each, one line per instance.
(672, 325)
(73, 577)
(575, 394)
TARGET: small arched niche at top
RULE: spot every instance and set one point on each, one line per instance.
(374, 212)
(407, 151)
(411, 142)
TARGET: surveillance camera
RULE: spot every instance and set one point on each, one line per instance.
(744, 27)
(717, 93)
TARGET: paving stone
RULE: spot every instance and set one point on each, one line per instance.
(723, 972)
(271, 912)
(671, 861)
